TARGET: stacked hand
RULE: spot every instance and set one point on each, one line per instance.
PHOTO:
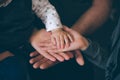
(61, 38)
(48, 54)
(42, 39)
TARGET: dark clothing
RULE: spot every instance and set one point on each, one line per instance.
(15, 23)
(16, 26)
(107, 59)
(71, 10)
(13, 68)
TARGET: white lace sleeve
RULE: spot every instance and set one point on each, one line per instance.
(48, 14)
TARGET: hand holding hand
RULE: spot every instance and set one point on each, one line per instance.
(79, 43)
(42, 39)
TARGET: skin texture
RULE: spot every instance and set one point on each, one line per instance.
(37, 40)
(42, 62)
(60, 38)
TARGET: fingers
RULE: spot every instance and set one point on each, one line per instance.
(35, 53)
(70, 37)
(53, 40)
(64, 55)
(46, 47)
(66, 41)
(46, 54)
(41, 62)
(48, 64)
(61, 42)
(70, 54)
(44, 44)
(37, 64)
(79, 58)
(58, 42)
(35, 59)
(58, 57)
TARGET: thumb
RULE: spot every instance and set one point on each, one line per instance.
(79, 58)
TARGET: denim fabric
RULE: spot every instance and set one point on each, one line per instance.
(13, 68)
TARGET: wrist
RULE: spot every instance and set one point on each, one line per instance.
(57, 30)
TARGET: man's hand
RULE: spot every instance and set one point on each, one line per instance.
(79, 58)
(41, 62)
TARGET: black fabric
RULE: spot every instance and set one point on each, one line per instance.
(113, 62)
(13, 68)
(71, 10)
(15, 23)
(1, 0)
(107, 59)
(97, 54)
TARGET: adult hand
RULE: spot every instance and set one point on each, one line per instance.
(41, 62)
(37, 38)
(43, 38)
(79, 58)
(79, 42)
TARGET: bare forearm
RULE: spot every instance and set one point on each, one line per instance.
(94, 17)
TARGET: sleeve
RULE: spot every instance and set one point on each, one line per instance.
(48, 14)
(97, 54)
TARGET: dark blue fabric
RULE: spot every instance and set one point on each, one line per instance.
(118, 77)
(13, 68)
(112, 68)
(15, 23)
(1, 0)
(71, 10)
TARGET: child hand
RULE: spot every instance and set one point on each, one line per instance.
(60, 38)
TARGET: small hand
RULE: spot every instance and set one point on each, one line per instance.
(60, 38)
(79, 43)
